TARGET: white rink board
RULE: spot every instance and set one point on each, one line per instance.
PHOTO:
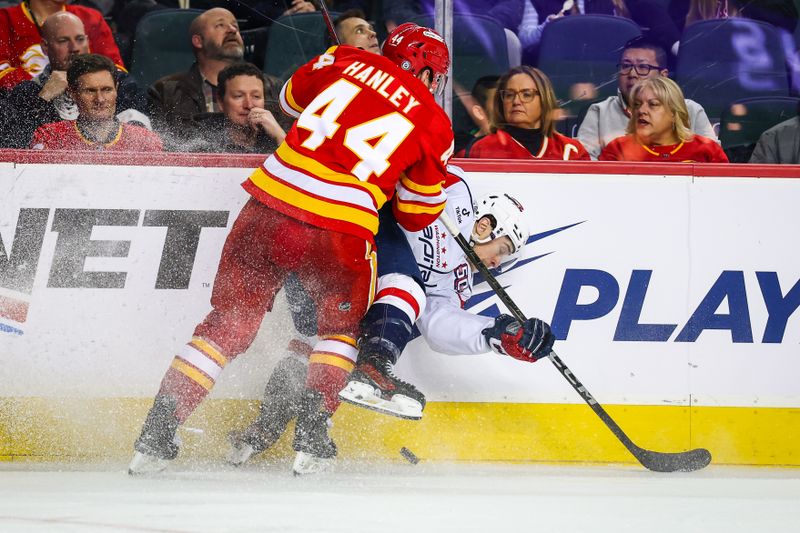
(691, 236)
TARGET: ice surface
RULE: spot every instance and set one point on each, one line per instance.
(397, 497)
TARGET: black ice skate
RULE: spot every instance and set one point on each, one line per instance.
(157, 444)
(281, 402)
(315, 449)
(373, 385)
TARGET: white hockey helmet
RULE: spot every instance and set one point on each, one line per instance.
(508, 219)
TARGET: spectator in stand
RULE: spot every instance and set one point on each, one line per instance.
(607, 120)
(479, 105)
(92, 84)
(664, 21)
(539, 13)
(8, 119)
(243, 125)
(45, 98)
(21, 56)
(658, 129)
(274, 9)
(508, 13)
(523, 121)
(780, 13)
(780, 144)
(175, 99)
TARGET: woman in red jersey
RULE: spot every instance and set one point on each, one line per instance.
(523, 122)
(658, 129)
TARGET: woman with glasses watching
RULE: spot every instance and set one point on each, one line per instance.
(658, 129)
(523, 121)
(606, 120)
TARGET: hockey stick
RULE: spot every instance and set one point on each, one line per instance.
(687, 461)
(326, 16)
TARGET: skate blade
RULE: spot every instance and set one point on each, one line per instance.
(363, 395)
(307, 464)
(240, 453)
(143, 464)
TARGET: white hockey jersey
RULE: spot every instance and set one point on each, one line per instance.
(444, 324)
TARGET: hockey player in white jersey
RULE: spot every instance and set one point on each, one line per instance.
(498, 229)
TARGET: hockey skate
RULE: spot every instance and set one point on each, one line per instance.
(157, 444)
(373, 385)
(315, 449)
(280, 404)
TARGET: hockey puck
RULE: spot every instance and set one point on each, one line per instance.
(409, 456)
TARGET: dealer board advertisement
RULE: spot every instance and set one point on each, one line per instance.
(661, 289)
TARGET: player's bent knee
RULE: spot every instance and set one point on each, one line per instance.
(401, 291)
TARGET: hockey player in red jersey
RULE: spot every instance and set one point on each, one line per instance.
(21, 56)
(658, 129)
(424, 279)
(368, 131)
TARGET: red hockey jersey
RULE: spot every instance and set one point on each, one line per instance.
(699, 150)
(21, 56)
(502, 145)
(366, 132)
(65, 135)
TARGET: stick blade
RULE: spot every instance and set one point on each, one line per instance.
(687, 461)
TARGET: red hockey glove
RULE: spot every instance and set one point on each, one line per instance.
(527, 342)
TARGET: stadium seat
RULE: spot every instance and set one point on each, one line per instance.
(161, 45)
(481, 47)
(255, 45)
(743, 122)
(723, 60)
(580, 54)
(293, 41)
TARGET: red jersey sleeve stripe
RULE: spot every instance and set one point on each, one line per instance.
(288, 104)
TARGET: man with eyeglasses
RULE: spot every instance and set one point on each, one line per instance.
(607, 120)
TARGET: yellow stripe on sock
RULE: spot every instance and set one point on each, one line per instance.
(341, 338)
(210, 351)
(192, 373)
(332, 360)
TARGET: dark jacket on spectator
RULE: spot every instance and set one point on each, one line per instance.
(174, 100)
(216, 138)
(780, 144)
(33, 111)
(8, 120)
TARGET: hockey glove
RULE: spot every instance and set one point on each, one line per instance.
(527, 342)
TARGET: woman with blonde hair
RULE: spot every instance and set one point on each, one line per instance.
(658, 129)
(523, 121)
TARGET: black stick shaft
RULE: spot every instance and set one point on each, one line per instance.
(651, 460)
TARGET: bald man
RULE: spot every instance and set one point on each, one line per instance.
(177, 98)
(44, 98)
(21, 54)
(63, 37)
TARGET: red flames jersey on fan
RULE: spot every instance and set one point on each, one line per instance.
(501, 145)
(699, 150)
(367, 132)
(21, 56)
(65, 135)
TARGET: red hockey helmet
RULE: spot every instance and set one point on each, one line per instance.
(414, 48)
